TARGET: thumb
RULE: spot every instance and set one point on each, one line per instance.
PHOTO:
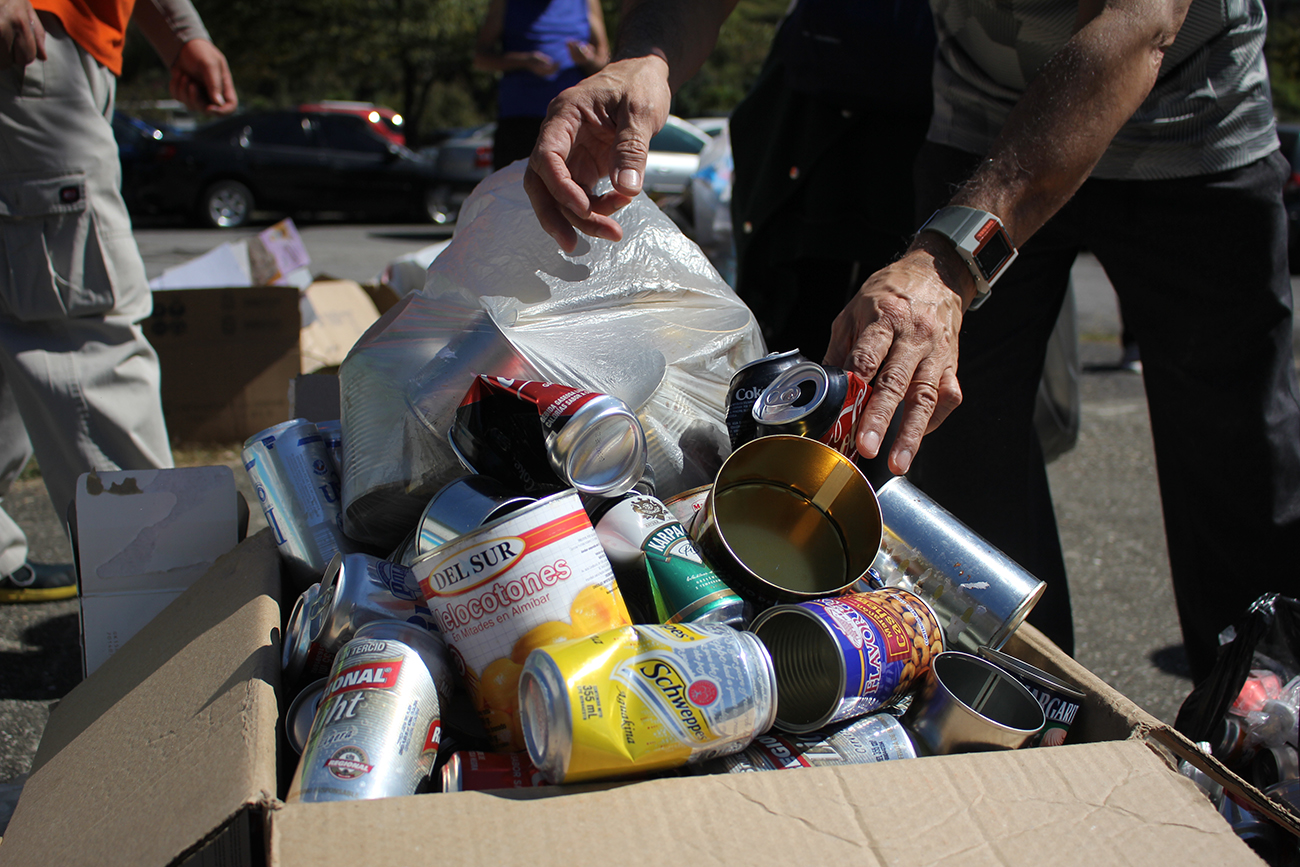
(631, 146)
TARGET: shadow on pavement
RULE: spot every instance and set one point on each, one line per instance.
(50, 665)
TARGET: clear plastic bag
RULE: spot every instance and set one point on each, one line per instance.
(646, 319)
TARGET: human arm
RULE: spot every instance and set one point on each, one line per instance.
(601, 127)
(200, 75)
(592, 56)
(901, 328)
(22, 38)
(489, 57)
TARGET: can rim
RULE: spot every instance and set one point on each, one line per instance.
(840, 674)
(1014, 665)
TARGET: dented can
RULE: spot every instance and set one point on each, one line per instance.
(661, 573)
(536, 576)
(378, 725)
(540, 437)
(299, 491)
(846, 656)
(747, 383)
(640, 699)
(812, 400)
(876, 738)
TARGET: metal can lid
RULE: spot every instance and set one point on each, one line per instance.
(1025, 671)
(793, 395)
(297, 634)
(602, 448)
(302, 713)
(545, 716)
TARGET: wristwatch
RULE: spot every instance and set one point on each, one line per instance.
(980, 239)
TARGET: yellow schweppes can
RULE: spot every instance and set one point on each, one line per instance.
(639, 699)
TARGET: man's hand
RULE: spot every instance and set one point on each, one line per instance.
(22, 38)
(901, 330)
(201, 79)
(600, 128)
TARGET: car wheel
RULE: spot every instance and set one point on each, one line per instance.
(226, 205)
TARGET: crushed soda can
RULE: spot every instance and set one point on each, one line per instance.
(876, 738)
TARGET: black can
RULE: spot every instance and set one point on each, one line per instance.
(747, 384)
(811, 400)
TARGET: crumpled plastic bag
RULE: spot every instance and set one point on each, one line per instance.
(646, 319)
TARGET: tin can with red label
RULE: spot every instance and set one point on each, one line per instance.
(846, 656)
(539, 437)
(747, 383)
(810, 400)
(477, 771)
(376, 730)
(536, 577)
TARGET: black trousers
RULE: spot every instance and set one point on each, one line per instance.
(1200, 269)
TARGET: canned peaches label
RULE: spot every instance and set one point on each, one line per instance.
(535, 578)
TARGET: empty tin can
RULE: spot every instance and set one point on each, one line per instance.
(460, 506)
(846, 656)
(876, 738)
(640, 699)
(477, 771)
(662, 575)
(358, 589)
(534, 577)
(1060, 701)
(377, 728)
(540, 437)
(810, 400)
(747, 383)
(787, 519)
(298, 489)
(980, 594)
(968, 704)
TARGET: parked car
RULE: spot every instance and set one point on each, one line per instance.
(137, 142)
(462, 161)
(382, 120)
(712, 126)
(286, 161)
(1289, 135)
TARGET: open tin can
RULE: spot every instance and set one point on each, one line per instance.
(969, 705)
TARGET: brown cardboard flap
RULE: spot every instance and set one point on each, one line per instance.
(1106, 803)
(173, 735)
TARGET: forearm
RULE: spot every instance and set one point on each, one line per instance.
(168, 25)
(1070, 113)
(680, 32)
(488, 61)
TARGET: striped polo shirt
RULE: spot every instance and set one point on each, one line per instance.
(1210, 110)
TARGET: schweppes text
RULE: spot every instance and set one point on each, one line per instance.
(669, 684)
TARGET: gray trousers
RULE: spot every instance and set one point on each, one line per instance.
(78, 380)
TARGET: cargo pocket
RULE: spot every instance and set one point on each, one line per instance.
(52, 262)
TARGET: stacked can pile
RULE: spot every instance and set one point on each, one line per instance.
(551, 618)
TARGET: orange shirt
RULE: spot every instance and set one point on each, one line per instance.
(99, 26)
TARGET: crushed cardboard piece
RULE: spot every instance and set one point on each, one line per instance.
(334, 314)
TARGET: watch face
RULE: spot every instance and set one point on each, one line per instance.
(993, 250)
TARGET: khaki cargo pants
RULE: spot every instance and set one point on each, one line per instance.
(78, 380)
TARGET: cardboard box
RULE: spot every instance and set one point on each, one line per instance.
(228, 356)
(142, 538)
(168, 755)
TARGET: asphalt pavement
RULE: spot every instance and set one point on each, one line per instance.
(1105, 492)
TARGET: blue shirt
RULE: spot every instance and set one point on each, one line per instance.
(545, 26)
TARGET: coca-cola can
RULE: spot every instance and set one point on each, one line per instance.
(810, 400)
(747, 383)
(477, 771)
(299, 491)
(540, 437)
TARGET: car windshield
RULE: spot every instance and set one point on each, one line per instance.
(675, 140)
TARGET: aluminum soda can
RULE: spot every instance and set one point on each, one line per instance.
(302, 712)
(747, 383)
(296, 655)
(357, 589)
(876, 738)
(460, 506)
(299, 491)
(1060, 701)
(846, 656)
(331, 432)
(639, 699)
(378, 726)
(811, 400)
(536, 576)
(659, 569)
(539, 437)
(477, 771)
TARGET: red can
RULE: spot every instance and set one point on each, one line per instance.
(814, 401)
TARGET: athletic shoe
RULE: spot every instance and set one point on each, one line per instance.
(39, 582)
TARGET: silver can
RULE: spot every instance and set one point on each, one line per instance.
(299, 491)
(643, 699)
(1060, 701)
(876, 738)
(968, 704)
(296, 649)
(459, 507)
(378, 726)
(660, 571)
(302, 712)
(332, 432)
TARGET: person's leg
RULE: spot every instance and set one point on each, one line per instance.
(984, 463)
(1200, 266)
(72, 283)
(15, 452)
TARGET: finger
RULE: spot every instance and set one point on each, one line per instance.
(889, 385)
(631, 149)
(916, 415)
(949, 399)
(22, 50)
(548, 211)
